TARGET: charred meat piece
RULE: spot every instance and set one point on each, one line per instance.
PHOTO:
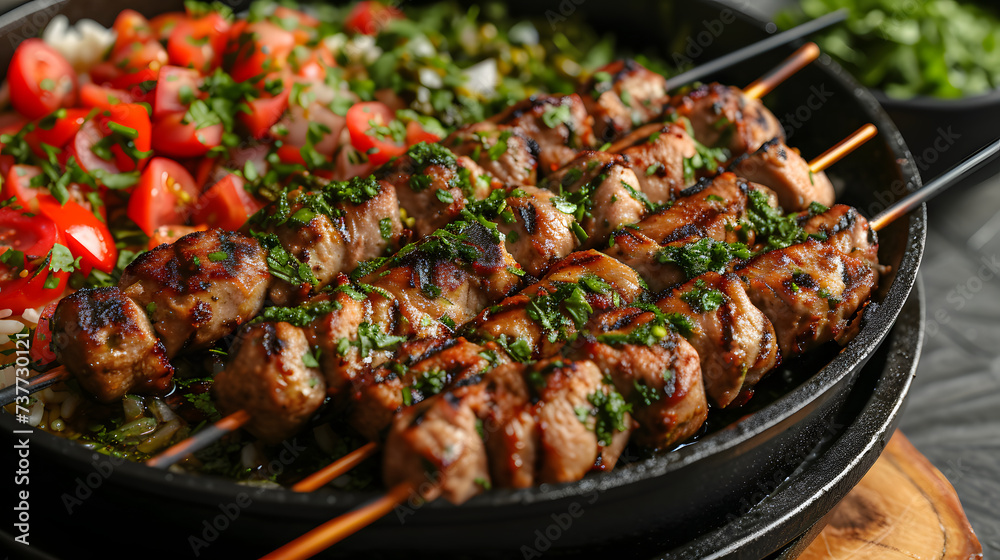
(266, 376)
(538, 320)
(447, 363)
(505, 152)
(331, 230)
(811, 292)
(662, 157)
(734, 339)
(784, 171)
(605, 191)
(200, 288)
(661, 380)
(721, 116)
(107, 342)
(622, 96)
(558, 123)
(429, 287)
(433, 184)
(538, 229)
(844, 228)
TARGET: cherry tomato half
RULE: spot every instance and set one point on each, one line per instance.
(40, 79)
(264, 113)
(176, 138)
(131, 27)
(57, 129)
(370, 17)
(86, 236)
(165, 195)
(34, 235)
(18, 185)
(366, 123)
(260, 48)
(226, 205)
(173, 85)
(199, 43)
(416, 134)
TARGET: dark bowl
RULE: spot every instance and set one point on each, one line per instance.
(650, 503)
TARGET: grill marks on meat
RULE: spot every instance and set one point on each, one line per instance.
(512, 318)
(540, 233)
(611, 188)
(784, 171)
(656, 153)
(721, 116)
(735, 341)
(107, 342)
(266, 377)
(200, 288)
(505, 152)
(559, 124)
(811, 292)
(331, 244)
(847, 230)
(633, 95)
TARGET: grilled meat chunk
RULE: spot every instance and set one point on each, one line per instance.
(540, 232)
(621, 96)
(332, 230)
(734, 339)
(659, 154)
(722, 116)
(558, 123)
(844, 228)
(784, 171)
(200, 288)
(604, 189)
(107, 342)
(510, 427)
(811, 292)
(661, 380)
(505, 152)
(433, 184)
(538, 320)
(266, 377)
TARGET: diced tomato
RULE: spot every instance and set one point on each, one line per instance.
(199, 43)
(18, 185)
(259, 48)
(303, 25)
(41, 344)
(226, 205)
(290, 154)
(92, 95)
(163, 25)
(11, 123)
(416, 134)
(264, 113)
(173, 85)
(131, 27)
(165, 195)
(86, 236)
(170, 233)
(361, 119)
(370, 17)
(40, 79)
(34, 235)
(176, 138)
(57, 129)
(123, 120)
(133, 57)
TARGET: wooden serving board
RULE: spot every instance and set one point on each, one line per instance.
(903, 508)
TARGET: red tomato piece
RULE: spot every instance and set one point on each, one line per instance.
(176, 138)
(264, 113)
(416, 134)
(226, 205)
(303, 25)
(259, 48)
(40, 79)
(86, 236)
(174, 84)
(34, 235)
(125, 119)
(163, 25)
(134, 57)
(370, 17)
(131, 27)
(18, 184)
(199, 43)
(365, 122)
(41, 345)
(57, 129)
(165, 195)
(92, 95)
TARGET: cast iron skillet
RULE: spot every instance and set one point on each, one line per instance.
(676, 496)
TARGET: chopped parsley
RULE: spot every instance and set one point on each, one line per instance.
(609, 413)
(702, 256)
(703, 299)
(370, 338)
(299, 316)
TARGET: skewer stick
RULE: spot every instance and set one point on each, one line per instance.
(339, 528)
(760, 47)
(935, 187)
(844, 147)
(41, 381)
(799, 60)
(202, 439)
(336, 468)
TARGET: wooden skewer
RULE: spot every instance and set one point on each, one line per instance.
(336, 468)
(200, 440)
(9, 394)
(799, 60)
(844, 147)
(339, 528)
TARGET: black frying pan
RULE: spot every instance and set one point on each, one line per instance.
(668, 500)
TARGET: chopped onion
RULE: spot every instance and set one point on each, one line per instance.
(161, 437)
(135, 428)
(482, 77)
(31, 315)
(161, 410)
(53, 397)
(10, 326)
(37, 410)
(134, 407)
